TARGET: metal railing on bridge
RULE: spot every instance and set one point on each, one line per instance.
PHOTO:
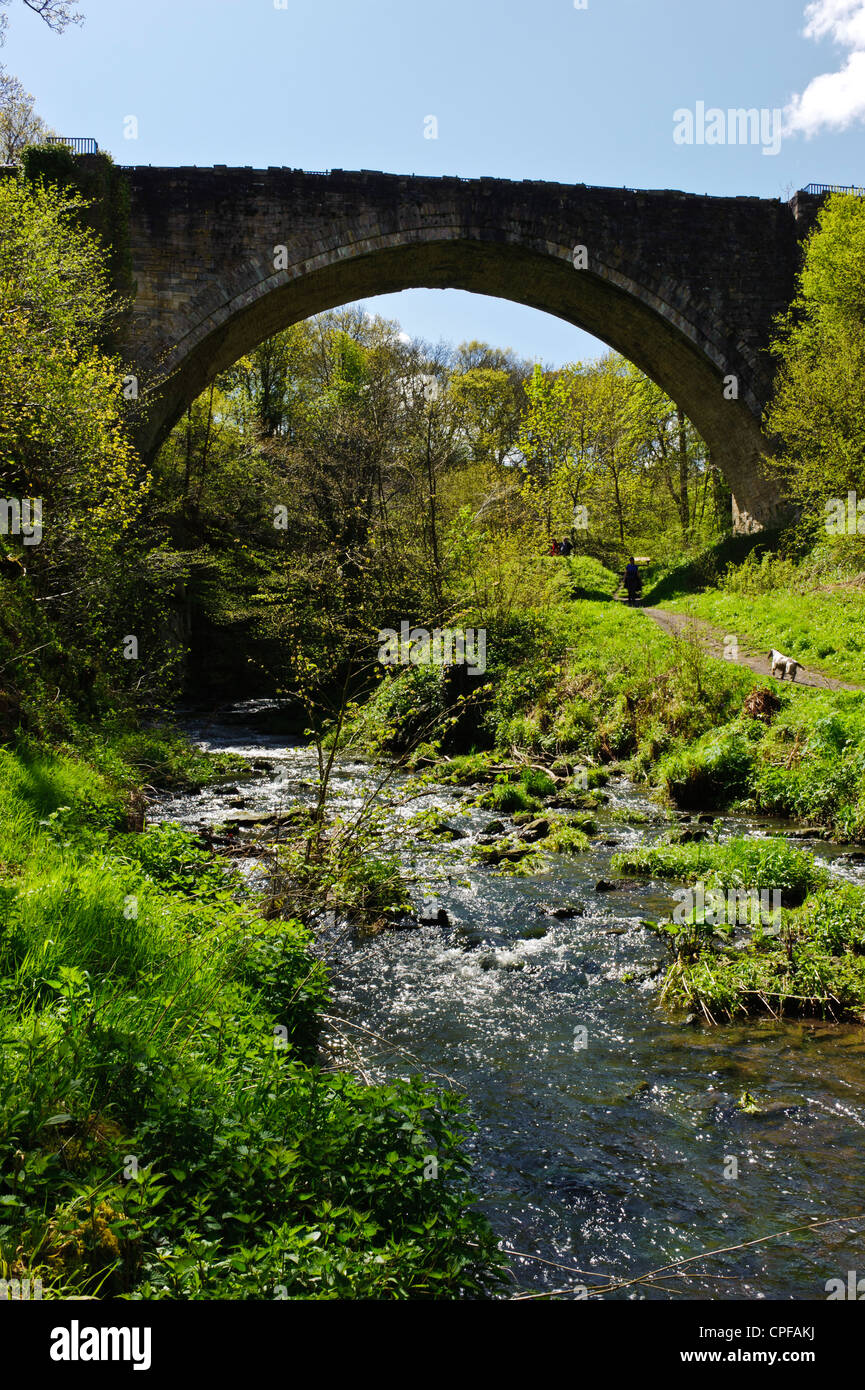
(818, 188)
(78, 144)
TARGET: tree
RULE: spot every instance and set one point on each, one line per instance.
(577, 445)
(488, 384)
(62, 436)
(605, 428)
(57, 14)
(601, 435)
(670, 450)
(19, 124)
(818, 407)
(552, 441)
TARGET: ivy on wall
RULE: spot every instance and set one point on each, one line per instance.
(105, 190)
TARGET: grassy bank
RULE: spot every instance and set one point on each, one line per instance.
(584, 683)
(166, 1130)
(814, 967)
(799, 952)
(812, 609)
(578, 677)
(592, 682)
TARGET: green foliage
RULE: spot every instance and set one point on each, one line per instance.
(57, 791)
(808, 764)
(569, 836)
(590, 579)
(812, 763)
(164, 758)
(461, 770)
(177, 861)
(737, 863)
(819, 402)
(815, 967)
(526, 791)
(601, 436)
(147, 1009)
(490, 401)
(701, 566)
(408, 706)
(345, 872)
(834, 919)
(712, 772)
(103, 210)
(63, 442)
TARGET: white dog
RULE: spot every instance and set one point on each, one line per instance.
(783, 664)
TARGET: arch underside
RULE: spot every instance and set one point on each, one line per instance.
(689, 361)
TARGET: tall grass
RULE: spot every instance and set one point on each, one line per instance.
(165, 1129)
(738, 863)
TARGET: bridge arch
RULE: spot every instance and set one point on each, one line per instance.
(684, 287)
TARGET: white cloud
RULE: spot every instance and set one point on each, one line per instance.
(843, 20)
(835, 99)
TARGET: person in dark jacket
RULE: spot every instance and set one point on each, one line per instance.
(633, 581)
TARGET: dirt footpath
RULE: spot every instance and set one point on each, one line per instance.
(712, 639)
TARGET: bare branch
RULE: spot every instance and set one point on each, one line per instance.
(57, 14)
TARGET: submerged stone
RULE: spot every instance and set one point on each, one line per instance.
(433, 914)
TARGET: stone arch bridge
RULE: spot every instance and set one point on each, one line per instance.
(684, 286)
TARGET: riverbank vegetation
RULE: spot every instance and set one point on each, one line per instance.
(813, 966)
(806, 597)
(169, 1127)
(766, 933)
(166, 1129)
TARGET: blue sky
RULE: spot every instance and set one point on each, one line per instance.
(519, 89)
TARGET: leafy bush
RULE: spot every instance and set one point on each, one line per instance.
(712, 772)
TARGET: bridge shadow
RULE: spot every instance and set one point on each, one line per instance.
(591, 569)
(579, 591)
(704, 570)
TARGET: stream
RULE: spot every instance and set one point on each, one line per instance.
(612, 1158)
